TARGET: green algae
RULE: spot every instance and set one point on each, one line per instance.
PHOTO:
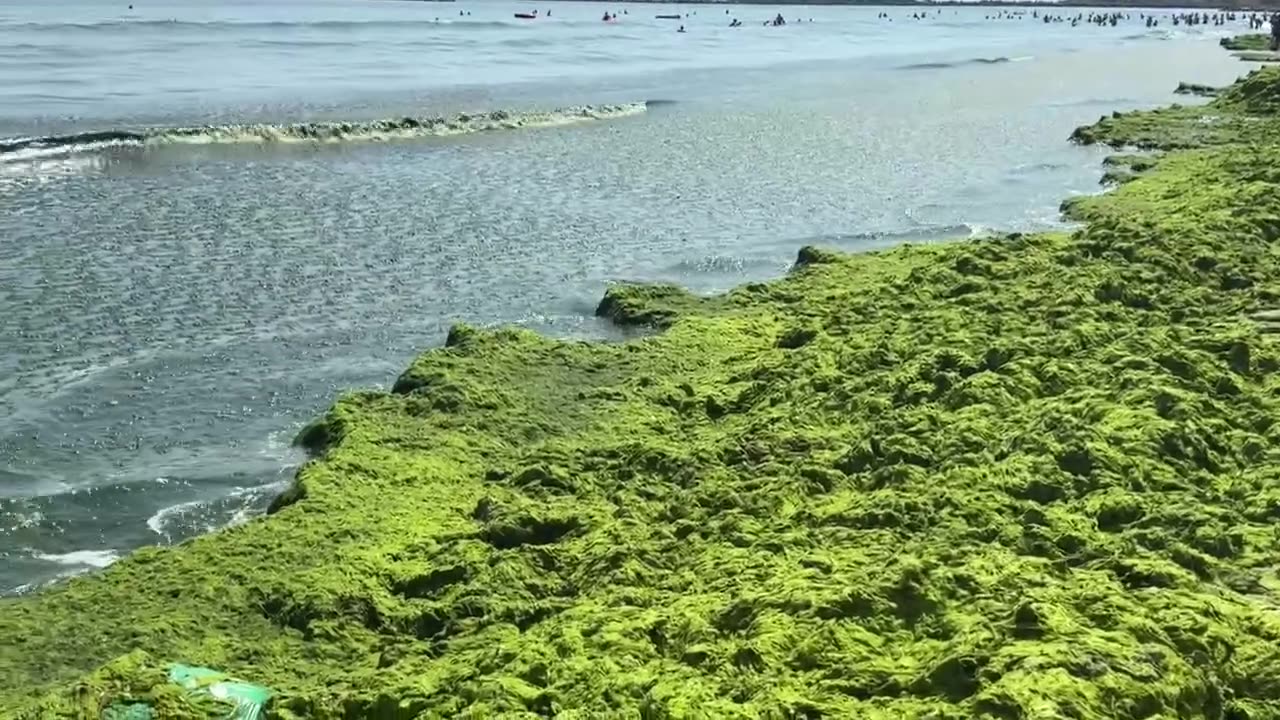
(1250, 41)
(1027, 476)
(1244, 112)
(1186, 88)
(1120, 169)
(1254, 47)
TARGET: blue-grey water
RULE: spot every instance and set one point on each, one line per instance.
(205, 235)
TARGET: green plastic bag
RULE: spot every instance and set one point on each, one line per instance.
(246, 700)
(249, 699)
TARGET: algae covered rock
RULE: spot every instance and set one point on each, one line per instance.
(1185, 88)
(1026, 476)
(652, 305)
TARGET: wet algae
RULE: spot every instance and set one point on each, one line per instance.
(1029, 476)
(1250, 41)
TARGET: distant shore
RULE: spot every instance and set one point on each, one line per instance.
(1206, 5)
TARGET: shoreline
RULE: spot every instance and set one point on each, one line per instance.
(969, 478)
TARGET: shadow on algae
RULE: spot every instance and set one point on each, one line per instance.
(1028, 476)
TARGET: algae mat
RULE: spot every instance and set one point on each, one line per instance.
(1021, 477)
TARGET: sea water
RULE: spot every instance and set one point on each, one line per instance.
(215, 217)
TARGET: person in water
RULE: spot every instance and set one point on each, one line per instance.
(681, 29)
(1275, 31)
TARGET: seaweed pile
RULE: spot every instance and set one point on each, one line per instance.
(1251, 48)
(1028, 476)
(1251, 41)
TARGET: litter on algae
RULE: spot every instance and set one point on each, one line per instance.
(134, 687)
(1027, 476)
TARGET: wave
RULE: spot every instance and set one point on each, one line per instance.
(209, 514)
(27, 149)
(80, 558)
(76, 562)
(930, 233)
(961, 63)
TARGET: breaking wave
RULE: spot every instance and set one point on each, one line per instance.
(961, 63)
(81, 558)
(27, 149)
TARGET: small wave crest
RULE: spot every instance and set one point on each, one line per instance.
(32, 149)
(939, 65)
(80, 558)
(930, 233)
(182, 519)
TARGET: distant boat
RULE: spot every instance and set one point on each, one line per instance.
(528, 16)
(668, 17)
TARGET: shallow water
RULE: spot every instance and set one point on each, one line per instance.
(173, 311)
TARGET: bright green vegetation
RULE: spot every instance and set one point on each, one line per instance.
(1020, 477)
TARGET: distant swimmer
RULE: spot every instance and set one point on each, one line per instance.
(681, 29)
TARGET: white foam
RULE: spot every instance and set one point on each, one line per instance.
(81, 558)
(28, 520)
(158, 521)
(240, 517)
(42, 155)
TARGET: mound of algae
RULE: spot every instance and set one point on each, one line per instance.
(1247, 112)
(1250, 41)
(1020, 477)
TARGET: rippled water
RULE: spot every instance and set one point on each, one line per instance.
(171, 313)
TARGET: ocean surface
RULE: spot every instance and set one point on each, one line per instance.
(216, 217)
